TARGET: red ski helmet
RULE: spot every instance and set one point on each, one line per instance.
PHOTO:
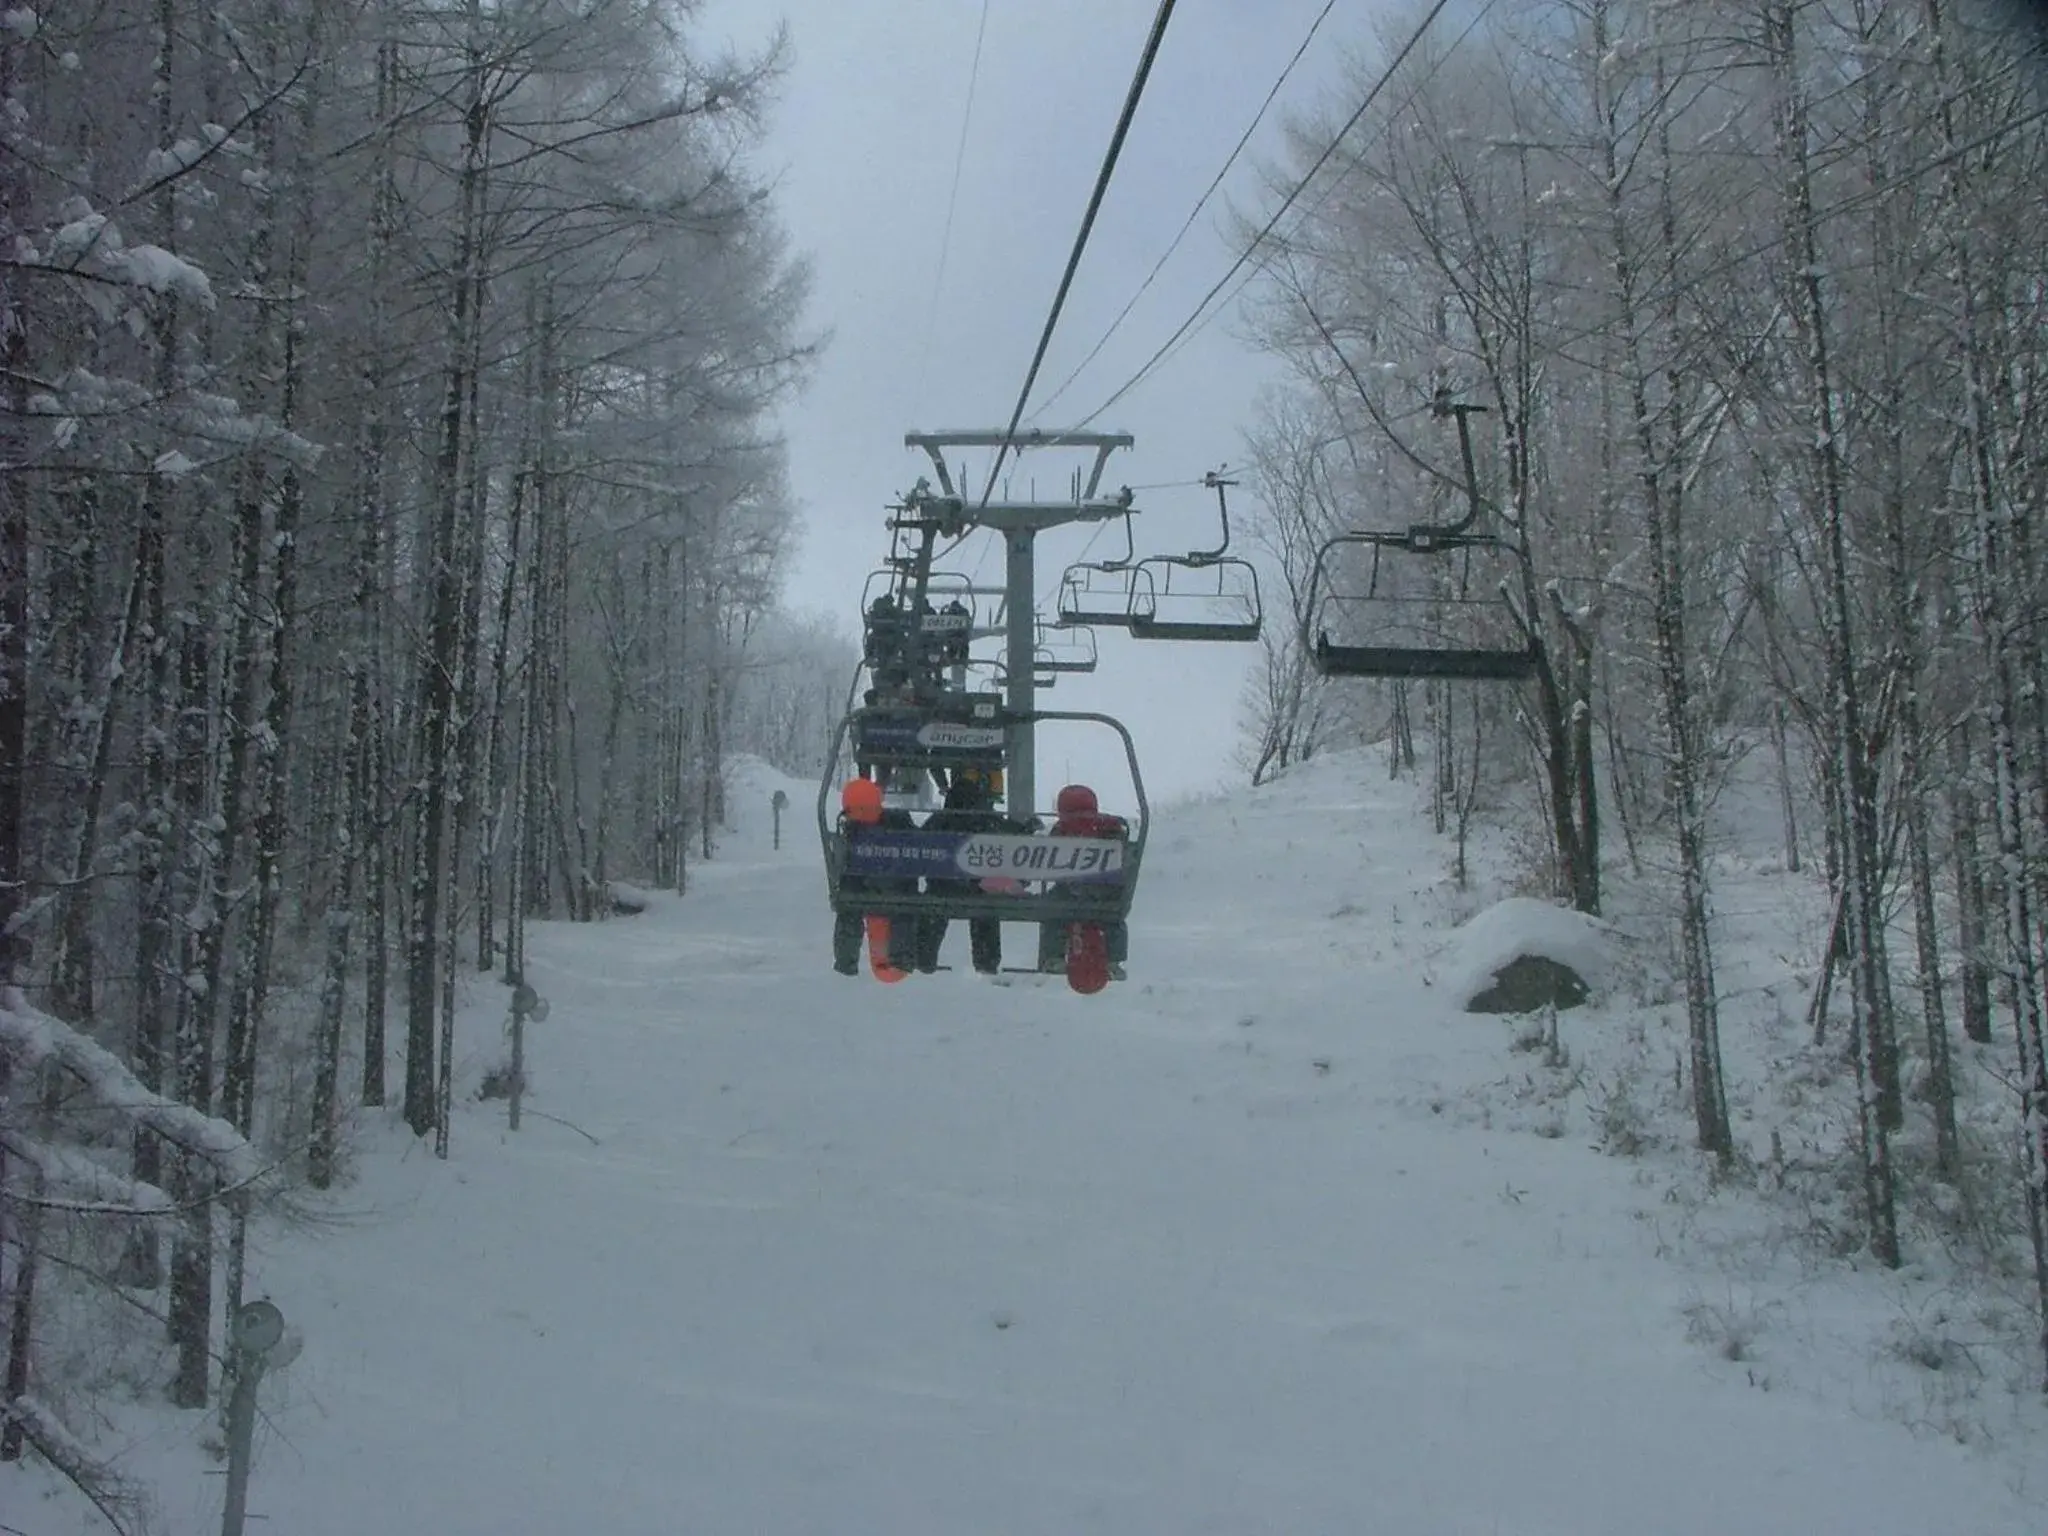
(1075, 800)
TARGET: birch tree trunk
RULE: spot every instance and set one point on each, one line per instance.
(498, 799)
(1879, 1107)
(435, 750)
(2005, 603)
(369, 726)
(1660, 474)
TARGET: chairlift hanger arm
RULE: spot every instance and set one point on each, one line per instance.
(1441, 405)
(1379, 417)
(1215, 481)
(1130, 548)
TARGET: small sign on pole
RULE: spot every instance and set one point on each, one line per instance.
(255, 1332)
(526, 1004)
(778, 803)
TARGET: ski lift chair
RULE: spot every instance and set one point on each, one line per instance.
(1037, 878)
(1065, 648)
(1417, 616)
(1097, 591)
(1205, 594)
(1200, 596)
(1095, 595)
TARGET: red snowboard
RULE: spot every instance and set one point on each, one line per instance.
(1087, 957)
(878, 951)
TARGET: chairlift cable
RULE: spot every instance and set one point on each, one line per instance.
(931, 318)
(1157, 485)
(1109, 159)
(1193, 213)
(1853, 202)
(1301, 185)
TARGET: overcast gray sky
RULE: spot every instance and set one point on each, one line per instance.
(863, 143)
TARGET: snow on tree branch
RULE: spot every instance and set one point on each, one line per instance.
(88, 237)
(30, 1037)
(75, 1182)
(118, 1503)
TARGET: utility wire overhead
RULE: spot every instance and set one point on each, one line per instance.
(1193, 213)
(1203, 316)
(1251, 248)
(1116, 144)
(931, 319)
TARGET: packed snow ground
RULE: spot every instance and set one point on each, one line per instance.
(1240, 1245)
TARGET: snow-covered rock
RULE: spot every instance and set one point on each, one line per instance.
(1522, 954)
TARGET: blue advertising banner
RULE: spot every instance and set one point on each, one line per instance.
(984, 855)
(893, 734)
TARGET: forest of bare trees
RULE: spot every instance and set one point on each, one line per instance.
(393, 520)
(391, 533)
(1753, 294)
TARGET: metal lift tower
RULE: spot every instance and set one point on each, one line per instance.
(1020, 523)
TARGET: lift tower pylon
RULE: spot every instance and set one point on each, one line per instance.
(1020, 523)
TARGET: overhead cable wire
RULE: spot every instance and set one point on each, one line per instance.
(931, 319)
(1116, 144)
(1853, 202)
(1245, 280)
(1251, 248)
(1193, 213)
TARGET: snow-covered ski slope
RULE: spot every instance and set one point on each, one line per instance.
(957, 1256)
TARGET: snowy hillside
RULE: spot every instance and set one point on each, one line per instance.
(1272, 1237)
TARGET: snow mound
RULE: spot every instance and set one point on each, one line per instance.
(628, 899)
(1524, 929)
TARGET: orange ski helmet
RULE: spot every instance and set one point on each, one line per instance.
(861, 800)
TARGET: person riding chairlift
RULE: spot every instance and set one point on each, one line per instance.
(970, 807)
(955, 643)
(860, 806)
(1081, 816)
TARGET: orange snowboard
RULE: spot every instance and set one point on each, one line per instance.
(878, 951)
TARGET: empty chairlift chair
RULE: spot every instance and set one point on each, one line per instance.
(1097, 591)
(1095, 595)
(1205, 594)
(1422, 603)
(1195, 597)
(1426, 601)
(1064, 648)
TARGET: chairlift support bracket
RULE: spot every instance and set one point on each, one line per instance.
(935, 445)
(1196, 558)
